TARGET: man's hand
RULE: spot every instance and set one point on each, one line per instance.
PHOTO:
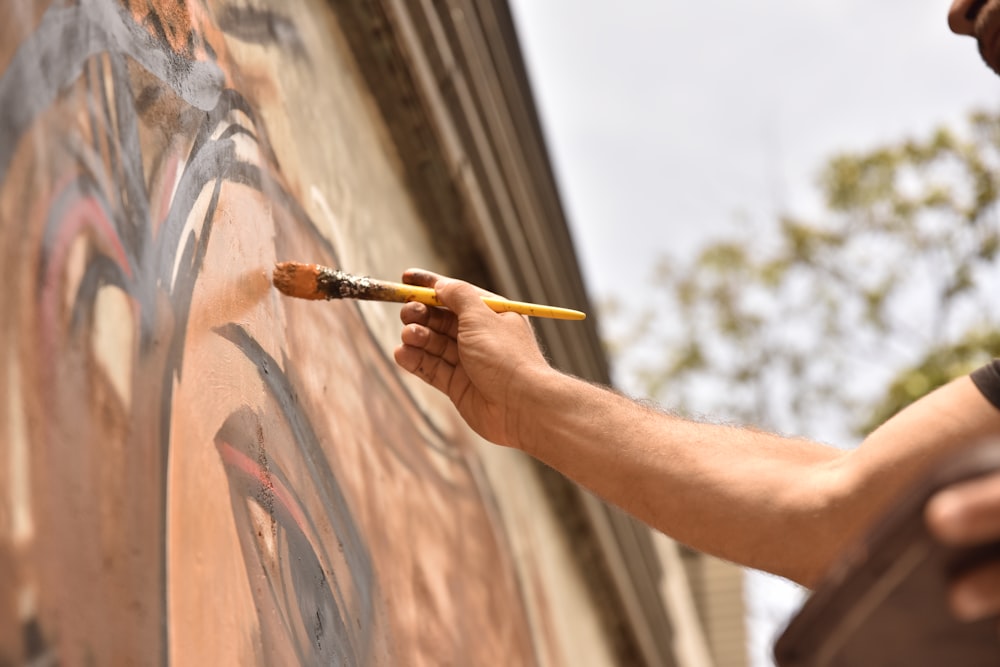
(478, 358)
(968, 514)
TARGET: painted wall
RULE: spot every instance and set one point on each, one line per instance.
(193, 468)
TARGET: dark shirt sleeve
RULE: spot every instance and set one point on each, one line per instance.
(987, 379)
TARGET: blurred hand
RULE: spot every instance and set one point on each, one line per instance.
(482, 360)
(968, 514)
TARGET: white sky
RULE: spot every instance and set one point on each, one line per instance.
(668, 122)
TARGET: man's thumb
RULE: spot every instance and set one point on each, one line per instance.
(460, 297)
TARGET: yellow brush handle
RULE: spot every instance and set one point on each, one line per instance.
(427, 296)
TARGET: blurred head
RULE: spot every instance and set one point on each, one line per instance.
(979, 19)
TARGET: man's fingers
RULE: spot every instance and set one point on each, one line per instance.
(976, 594)
(437, 319)
(966, 513)
(442, 346)
(414, 312)
(421, 277)
(433, 370)
(431, 342)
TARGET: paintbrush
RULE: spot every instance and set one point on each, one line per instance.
(313, 281)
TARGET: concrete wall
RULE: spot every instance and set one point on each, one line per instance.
(196, 469)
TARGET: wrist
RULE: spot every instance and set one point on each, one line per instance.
(533, 403)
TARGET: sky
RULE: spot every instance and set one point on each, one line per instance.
(668, 121)
(671, 123)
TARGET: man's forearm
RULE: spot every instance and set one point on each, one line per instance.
(785, 505)
(745, 495)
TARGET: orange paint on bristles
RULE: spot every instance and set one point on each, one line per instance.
(298, 280)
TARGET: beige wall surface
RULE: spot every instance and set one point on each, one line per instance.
(196, 469)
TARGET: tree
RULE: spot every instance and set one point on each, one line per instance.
(829, 326)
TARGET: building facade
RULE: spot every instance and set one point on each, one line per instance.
(199, 470)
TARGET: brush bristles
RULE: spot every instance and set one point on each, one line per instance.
(297, 280)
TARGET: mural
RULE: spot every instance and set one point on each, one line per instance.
(195, 469)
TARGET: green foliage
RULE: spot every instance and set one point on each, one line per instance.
(810, 321)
